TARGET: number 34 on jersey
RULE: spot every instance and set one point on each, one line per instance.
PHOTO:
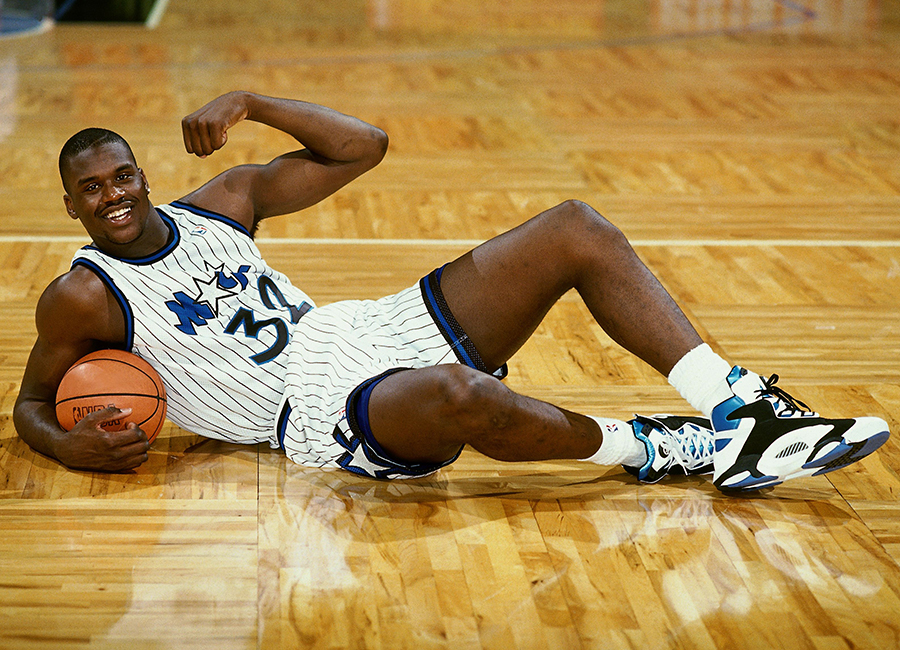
(212, 298)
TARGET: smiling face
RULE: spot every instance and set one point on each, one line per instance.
(108, 193)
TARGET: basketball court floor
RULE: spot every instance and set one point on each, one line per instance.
(749, 148)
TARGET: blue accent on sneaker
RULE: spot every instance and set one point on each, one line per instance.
(840, 449)
(637, 427)
(721, 412)
(846, 454)
(755, 482)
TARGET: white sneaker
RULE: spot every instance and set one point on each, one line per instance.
(764, 436)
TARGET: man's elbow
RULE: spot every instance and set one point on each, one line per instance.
(22, 420)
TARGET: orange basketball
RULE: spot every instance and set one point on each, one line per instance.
(112, 377)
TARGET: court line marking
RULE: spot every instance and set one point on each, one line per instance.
(331, 241)
(634, 242)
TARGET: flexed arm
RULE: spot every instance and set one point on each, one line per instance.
(337, 149)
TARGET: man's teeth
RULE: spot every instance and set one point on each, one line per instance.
(118, 215)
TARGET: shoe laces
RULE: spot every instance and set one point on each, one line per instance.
(793, 405)
(695, 451)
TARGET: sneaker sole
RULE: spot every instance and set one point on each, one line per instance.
(867, 435)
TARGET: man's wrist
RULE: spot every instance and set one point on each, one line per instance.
(251, 104)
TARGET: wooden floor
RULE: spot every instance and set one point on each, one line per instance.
(750, 149)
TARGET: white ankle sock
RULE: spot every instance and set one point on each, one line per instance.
(619, 446)
(701, 378)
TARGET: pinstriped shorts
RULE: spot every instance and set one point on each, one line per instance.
(339, 352)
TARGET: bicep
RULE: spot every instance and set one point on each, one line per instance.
(35, 409)
(299, 180)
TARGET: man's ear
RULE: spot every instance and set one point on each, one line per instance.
(144, 178)
(70, 206)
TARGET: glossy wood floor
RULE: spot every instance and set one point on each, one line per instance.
(750, 149)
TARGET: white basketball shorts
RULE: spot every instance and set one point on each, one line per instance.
(339, 352)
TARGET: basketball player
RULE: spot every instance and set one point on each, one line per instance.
(392, 388)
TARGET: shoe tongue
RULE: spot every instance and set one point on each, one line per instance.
(749, 387)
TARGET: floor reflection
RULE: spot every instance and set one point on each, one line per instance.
(703, 554)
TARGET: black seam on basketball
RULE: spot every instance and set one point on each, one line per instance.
(124, 363)
(158, 395)
(152, 415)
(155, 412)
(158, 398)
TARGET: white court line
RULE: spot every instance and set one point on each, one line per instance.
(303, 241)
(634, 242)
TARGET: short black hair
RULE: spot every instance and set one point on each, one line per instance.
(86, 139)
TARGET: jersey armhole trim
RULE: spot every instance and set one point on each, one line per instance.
(209, 214)
(127, 313)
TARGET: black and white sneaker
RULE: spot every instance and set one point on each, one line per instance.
(764, 436)
(675, 445)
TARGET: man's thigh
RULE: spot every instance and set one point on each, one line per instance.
(501, 290)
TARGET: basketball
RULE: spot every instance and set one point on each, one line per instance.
(112, 377)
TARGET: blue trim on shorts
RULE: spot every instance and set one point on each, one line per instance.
(430, 291)
(376, 455)
(281, 427)
(452, 331)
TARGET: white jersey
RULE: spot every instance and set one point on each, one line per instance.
(212, 318)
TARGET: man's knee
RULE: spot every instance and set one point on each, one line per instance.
(472, 400)
(583, 225)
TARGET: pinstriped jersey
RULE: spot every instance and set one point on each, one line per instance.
(212, 318)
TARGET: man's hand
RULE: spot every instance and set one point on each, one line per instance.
(89, 447)
(206, 129)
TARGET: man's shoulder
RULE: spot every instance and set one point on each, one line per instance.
(77, 305)
(78, 286)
